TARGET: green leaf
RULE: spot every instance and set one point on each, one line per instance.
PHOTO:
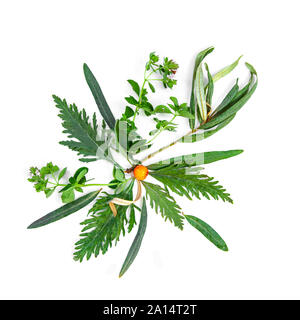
(188, 183)
(194, 159)
(164, 203)
(118, 174)
(207, 231)
(185, 114)
(99, 97)
(136, 244)
(232, 109)
(207, 133)
(48, 169)
(251, 68)
(135, 87)
(151, 86)
(68, 196)
(228, 98)
(128, 138)
(200, 95)
(68, 186)
(128, 112)
(65, 210)
(162, 109)
(210, 86)
(49, 192)
(241, 93)
(80, 173)
(153, 132)
(132, 221)
(225, 71)
(101, 229)
(199, 58)
(77, 125)
(175, 101)
(131, 100)
(62, 173)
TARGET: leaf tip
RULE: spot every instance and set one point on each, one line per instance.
(225, 248)
(31, 226)
(251, 68)
(86, 69)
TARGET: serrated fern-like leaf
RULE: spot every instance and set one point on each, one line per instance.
(77, 126)
(102, 228)
(164, 203)
(88, 143)
(185, 183)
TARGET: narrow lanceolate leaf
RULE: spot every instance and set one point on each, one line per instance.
(210, 86)
(99, 97)
(200, 56)
(241, 93)
(135, 247)
(164, 203)
(200, 95)
(65, 210)
(225, 71)
(233, 108)
(207, 231)
(203, 134)
(228, 99)
(195, 159)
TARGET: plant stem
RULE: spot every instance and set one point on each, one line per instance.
(140, 98)
(98, 184)
(57, 184)
(85, 185)
(162, 129)
(151, 155)
(146, 78)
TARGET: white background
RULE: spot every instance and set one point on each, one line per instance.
(43, 47)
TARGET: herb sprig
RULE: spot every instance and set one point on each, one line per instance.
(114, 211)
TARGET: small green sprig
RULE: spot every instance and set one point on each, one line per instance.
(47, 179)
(165, 70)
(176, 110)
(41, 178)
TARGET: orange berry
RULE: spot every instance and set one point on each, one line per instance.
(140, 172)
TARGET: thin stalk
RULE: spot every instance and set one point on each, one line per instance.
(162, 129)
(98, 184)
(146, 79)
(140, 98)
(85, 185)
(151, 155)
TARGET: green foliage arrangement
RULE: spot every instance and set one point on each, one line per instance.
(114, 211)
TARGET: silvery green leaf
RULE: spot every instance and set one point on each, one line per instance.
(234, 107)
(199, 58)
(225, 71)
(207, 133)
(200, 94)
(65, 210)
